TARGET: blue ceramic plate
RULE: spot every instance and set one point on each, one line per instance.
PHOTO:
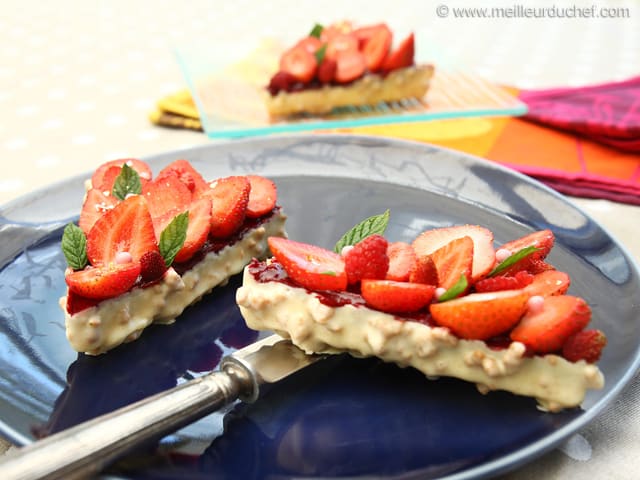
(342, 418)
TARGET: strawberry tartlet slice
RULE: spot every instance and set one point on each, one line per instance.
(449, 304)
(146, 248)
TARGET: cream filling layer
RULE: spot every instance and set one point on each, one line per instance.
(122, 319)
(317, 328)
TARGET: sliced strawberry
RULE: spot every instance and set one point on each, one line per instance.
(327, 71)
(480, 316)
(102, 282)
(364, 34)
(138, 165)
(338, 28)
(484, 256)
(166, 194)
(95, 205)
(402, 56)
(542, 240)
(425, 271)
(198, 229)
(546, 284)
(453, 260)
(230, 197)
(494, 284)
(108, 179)
(402, 260)
(351, 65)
(300, 63)
(311, 44)
(367, 259)
(127, 227)
(585, 345)
(341, 43)
(77, 303)
(396, 297)
(152, 266)
(311, 266)
(545, 330)
(262, 197)
(186, 174)
(377, 48)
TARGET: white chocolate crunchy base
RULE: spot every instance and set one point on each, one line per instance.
(410, 82)
(314, 327)
(122, 319)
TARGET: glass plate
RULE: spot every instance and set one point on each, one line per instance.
(228, 87)
(341, 418)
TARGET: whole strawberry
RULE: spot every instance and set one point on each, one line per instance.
(585, 345)
(367, 259)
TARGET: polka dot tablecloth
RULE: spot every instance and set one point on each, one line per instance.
(78, 79)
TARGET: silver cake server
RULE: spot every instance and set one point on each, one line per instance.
(89, 447)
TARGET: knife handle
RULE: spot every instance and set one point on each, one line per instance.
(89, 447)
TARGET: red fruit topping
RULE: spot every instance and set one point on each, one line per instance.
(424, 271)
(484, 256)
(125, 228)
(312, 267)
(338, 28)
(364, 34)
(351, 65)
(262, 197)
(77, 303)
(138, 165)
(95, 205)
(166, 194)
(494, 284)
(198, 229)
(327, 71)
(402, 56)
(281, 81)
(229, 197)
(341, 43)
(396, 297)
(480, 316)
(310, 44)
(546, 330)
(108, 179)
(376, 48)
(542, 240)
(453, 260)
(548, 283)
(367, 259)
(402, 260)
(300, 63)
(585, 345)
(186, 174)
(152, 266)
(105, 281)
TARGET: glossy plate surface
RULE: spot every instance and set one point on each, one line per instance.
(341, 418)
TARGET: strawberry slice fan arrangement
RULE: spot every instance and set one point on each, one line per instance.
(447, 304)
(343, 65)
(145, 248)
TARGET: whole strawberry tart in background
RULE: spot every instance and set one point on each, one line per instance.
(146, 248)
(346, 65)
(447, 304)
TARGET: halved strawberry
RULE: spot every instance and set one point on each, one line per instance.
(547, 329)
(484, 255)
(402, 56)
(300, 63)
(230, 197)
(585, 345)
(77, 303)
(108, 179)
(166, 194)
(198, 229)
(480, 316)
(138, 165)
(376, 48)
(311, 266)
(546, 284)
(186, 174)
(364, 34)
(262, 197)
(127, 227)
(425, 271)
(96, 204)
(351, 65)
(338, 28)
(311, 44)
(494, 284)
(105, 281)
(542, 240)
(453, 260)
(402, 260)
(341, 43)
(396, 297)
(327, 70)
(367, 259)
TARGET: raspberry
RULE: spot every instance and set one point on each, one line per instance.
(281, 81)
(493, 284)
(367, 259)
(585, 345)
(152, 266)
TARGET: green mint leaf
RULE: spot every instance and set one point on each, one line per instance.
(316, 30)
(456, 290)
(127, 182)
(330, 273)
(173, 236)
(370, 226)
(320, 53)
(74, 246)
(513, 259)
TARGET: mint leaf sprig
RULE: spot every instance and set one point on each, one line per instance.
(513, 259)
(173, 237)
(74, 246)
(127, 182)
(377, 224)
(456, 290)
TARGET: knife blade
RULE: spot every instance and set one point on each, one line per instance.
(88, 448)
